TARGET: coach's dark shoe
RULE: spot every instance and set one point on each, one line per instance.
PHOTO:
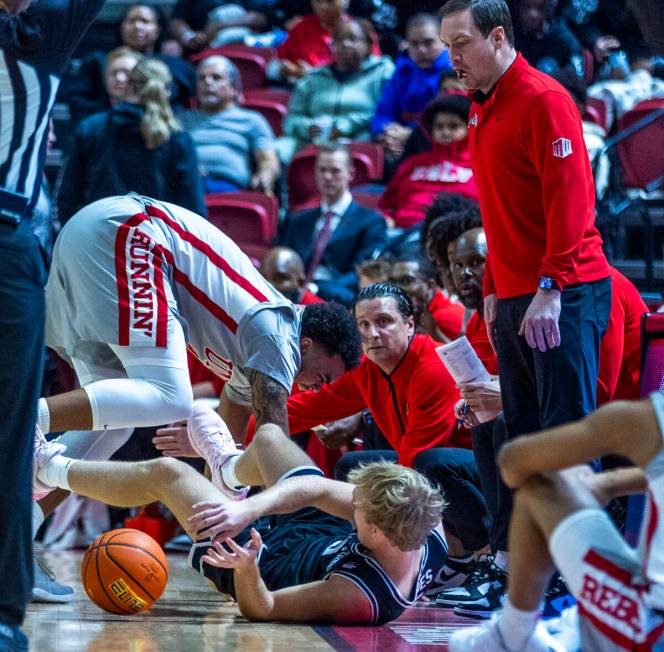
(451, 575)
(481, 594)
(47, 588)
(12, 639)
(557, 599)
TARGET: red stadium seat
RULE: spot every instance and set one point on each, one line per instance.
(642, 154)
(597, 108)
(302, 184)
(639, 146)
(273, 111)
(248, 218)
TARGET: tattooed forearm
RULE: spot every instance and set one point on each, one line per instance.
(269, 401)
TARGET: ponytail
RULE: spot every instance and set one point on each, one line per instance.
(152, 79)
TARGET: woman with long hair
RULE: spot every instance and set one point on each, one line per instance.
(136, 145)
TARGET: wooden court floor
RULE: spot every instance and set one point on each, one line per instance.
(190, 617)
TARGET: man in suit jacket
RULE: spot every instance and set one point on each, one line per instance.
(337, 235)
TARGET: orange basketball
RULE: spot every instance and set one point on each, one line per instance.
(124, 571)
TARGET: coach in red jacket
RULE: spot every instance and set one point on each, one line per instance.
(547, 291)
(401, 380)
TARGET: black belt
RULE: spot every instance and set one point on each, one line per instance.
(13, 207)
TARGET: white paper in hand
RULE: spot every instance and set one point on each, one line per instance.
(465, 366)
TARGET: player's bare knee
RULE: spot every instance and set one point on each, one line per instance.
(167, 471)
(537, 489)
(269, 435)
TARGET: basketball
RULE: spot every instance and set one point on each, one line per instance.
(124, 571)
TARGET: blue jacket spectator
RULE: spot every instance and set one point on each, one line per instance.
(408, 92)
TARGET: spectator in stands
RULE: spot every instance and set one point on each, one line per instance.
(195, 24)
(137, 145)
(414, 83)
(604, 27)
(284, 268)
(235, 146)
(373, 271)
(446, 168)
(435, 314)
(140, 30)
(119, 64)
(309, 43)
(545, 39)
(339, 234)
(338, 100)
(419, 140)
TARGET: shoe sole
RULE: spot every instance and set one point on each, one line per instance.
(475, 615)
(39, 595)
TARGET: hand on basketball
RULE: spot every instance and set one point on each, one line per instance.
(235, 557)
(173, 441)
(540, 323)
(222, 520)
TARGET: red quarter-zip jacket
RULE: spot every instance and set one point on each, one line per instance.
(535, 182)
(413, 406)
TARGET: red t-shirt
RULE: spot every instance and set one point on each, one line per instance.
(535, 182)
(479, 340)
(447, 314)
(417, 181)
(620, 351)
(413, 406)
(310, 42)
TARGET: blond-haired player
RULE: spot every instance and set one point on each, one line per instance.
(318, 550)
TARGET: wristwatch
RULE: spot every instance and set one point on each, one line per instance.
(548, 283)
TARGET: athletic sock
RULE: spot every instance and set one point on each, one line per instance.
(54, 472)
(502, 560)
(43, 416)
(228, 474)
(516, 626)
(37, 518)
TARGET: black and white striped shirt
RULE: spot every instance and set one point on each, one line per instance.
(35, 47)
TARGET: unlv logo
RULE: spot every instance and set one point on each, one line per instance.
(218, 365)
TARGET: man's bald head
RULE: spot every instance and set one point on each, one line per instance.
(284, 268)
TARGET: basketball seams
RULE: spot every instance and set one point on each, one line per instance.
(111, 601)
(127, 573)
(135, 547)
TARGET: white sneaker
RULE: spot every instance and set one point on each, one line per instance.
(488, 638)
(42, 453)
(210, 438)
(565, 629)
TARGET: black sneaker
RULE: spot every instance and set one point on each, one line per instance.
(481, 594)
(452, 574)
(557, 599)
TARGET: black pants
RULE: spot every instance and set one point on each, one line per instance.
(453, 470)
(22, 277)
(541, 390)
(487, 441)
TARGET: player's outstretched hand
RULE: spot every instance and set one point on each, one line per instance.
(173, 441)
(234, 556)
(220, 520)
